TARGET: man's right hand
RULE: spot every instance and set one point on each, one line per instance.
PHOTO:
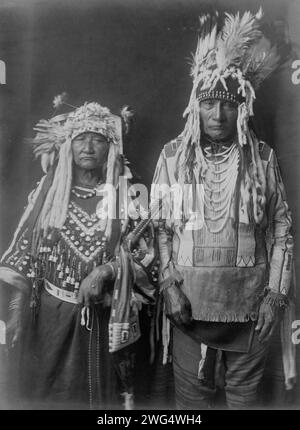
(177, 306)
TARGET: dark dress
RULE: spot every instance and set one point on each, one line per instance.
(63, 364)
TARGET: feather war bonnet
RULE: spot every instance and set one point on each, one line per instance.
(229, 63)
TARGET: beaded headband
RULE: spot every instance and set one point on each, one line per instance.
(94, 118)
(219, 95)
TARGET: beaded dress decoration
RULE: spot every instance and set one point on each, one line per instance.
(65, 256)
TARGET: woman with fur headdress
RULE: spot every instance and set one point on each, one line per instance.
(76, 285)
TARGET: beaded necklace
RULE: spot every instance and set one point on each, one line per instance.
(219, 188)
(87, 195)
(89, 192)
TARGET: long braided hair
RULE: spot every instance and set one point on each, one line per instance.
(55, 207)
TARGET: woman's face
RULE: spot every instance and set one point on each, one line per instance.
(90, 150)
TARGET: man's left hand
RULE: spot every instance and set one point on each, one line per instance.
(267, 320)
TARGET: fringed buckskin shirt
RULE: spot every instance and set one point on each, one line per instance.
(224, 273)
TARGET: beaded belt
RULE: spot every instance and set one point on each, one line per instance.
(59, 293)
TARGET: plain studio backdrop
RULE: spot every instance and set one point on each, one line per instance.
(127, 52)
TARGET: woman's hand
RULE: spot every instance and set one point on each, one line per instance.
(91, 288)
(14, 325)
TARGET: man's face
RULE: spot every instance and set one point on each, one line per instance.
(218, 118)
(89, 150)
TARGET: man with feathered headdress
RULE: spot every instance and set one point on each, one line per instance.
(226, 248)
(74, 308)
